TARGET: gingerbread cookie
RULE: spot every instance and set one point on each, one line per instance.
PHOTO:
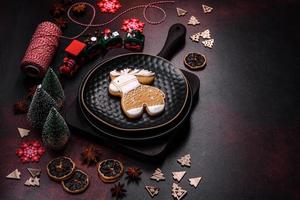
(136, 94)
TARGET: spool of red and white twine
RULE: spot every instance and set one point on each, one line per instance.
(41, 49)
(44, 42)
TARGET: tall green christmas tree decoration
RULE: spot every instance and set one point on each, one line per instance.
(53, 87)
(39, 108)
(55, 132)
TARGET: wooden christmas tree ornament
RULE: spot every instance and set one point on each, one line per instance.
(195, 37)
(195, 181)
(206, 9)
(23, 132)
(158, 175)
(185, 160)
(181, 12)
(32, 181)
(152, 190)
(34, 172)
(14, 175)
(177, 192)
(193, 21)
(178, 175)
(205, 34)
(208, 43)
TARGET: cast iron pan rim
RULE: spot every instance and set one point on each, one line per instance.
(162, 134)
(97, 65)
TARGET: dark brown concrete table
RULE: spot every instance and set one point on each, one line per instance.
(244, 132)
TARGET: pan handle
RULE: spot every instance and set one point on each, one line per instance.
(175, 41)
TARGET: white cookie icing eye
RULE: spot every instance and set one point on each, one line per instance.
(156, 109)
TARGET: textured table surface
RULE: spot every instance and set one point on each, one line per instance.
(244, 131)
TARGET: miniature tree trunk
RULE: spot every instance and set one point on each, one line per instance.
(53, 87)
(39, 108)
(55, 132)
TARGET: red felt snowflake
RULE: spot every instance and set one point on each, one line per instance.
(30, 151)
(133, 24)
(109, 6)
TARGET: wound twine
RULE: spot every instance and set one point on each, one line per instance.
(44, 42)
(41, 49)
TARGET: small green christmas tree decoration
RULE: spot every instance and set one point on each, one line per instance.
(53, 87)
(39, 107)
(55, 132)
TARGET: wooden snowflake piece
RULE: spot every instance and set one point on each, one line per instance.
(177, 192)
(23, 132)
(193, 21)
(195, 37)
(34, 172)
(158, 175)
(185, 160)
(16, 174)
(205, 34)
(181, 12)
(152, 190)
(206, 9)
(178, 175)
(195, 181)
(208, 43)
(32, 181)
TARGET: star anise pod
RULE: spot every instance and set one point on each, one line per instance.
(57, 10)
(118, 191)
(90, 155)
(133, 174)
(21, 107)
(61, 23)
(79, 9)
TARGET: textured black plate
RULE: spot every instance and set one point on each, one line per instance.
(141, 135)
(96, 101)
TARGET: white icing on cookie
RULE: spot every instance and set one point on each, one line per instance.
(135, 112)
(124, 83)
(155, 109)
(144, 72)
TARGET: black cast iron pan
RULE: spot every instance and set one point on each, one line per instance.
(101, 108)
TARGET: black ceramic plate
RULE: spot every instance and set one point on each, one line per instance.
(104, 108)
(140, 135)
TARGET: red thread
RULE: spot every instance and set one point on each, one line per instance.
(41, 49)
(44, 42)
